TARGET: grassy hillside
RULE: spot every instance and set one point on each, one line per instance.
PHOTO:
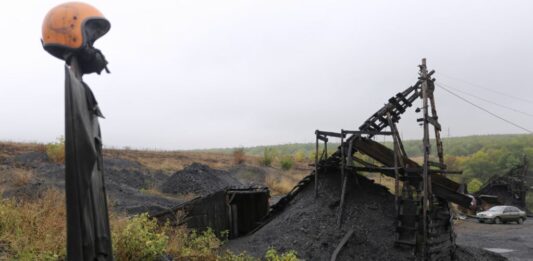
(479, 156)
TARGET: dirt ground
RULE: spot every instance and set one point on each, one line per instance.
(510, 240)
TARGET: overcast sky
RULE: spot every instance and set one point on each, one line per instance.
(203, 74)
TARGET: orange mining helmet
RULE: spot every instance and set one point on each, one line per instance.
(72, 26)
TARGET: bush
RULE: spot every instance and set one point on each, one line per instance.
(286, 162)
(238, 156)
(56, 151)
(33, 230)
(197, 246)
(474, 185)
(21, 177)
(272, 255)
(140, 239)
(299, 156)
(268, 156)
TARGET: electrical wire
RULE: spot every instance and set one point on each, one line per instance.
(487, 89)
(483, 109)
(488, 101)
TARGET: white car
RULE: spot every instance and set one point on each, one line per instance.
(502, 214)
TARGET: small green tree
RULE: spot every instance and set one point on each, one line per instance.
(299, 156)
(286, 162)
(474, 185)
(56, 150)
(268, 156)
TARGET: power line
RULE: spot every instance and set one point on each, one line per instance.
(483, 109)
(487, 89)
(488, 101)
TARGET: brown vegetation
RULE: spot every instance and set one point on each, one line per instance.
(56, 150)
(280, 185)
(171, 161)
(238, 156)
(21, 177)
(32, 230)
(36, 230)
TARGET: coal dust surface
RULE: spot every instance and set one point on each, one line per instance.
(198, 179)
(309, 225)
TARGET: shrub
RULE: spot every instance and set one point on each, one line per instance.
(140, 239)
(33, 230)
(238, 156)
(273, 255)
(268, 156)
(199, 246)
(56, 150)
(299, 156)
(21, 177)
(474, 185)
(286, 162)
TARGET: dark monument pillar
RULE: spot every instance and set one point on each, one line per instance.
(88, 232)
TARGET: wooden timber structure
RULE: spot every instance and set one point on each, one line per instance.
(422, 192)
(237, 211)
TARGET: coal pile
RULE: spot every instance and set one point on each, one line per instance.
(309, 225)
(198, 179)
(125, 181)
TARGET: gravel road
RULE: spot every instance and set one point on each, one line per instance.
(510, 240)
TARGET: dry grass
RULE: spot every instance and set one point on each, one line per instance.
(32, 230)
(155, 192)
(21, 177)
(171, 161)
(8, 149)
(280, 185)
(36, 230)
(239, 156)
